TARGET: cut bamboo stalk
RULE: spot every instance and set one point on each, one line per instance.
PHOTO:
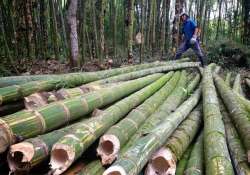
(237, 85)
(120, 133)
(26, 124)
(133, 160)
(217, 157)
(228, 78)
(177, 97)
(165, 159)
(70, 147)
(239, 115)
(195, 162)
(181, 165)
(236, 148)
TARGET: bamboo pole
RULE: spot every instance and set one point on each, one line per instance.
(237, 85)
(120, 133)
(70, 147)
(248, 82)
(236, 148)
(217, 159)
(177, 97)
(239, 115)
(164, 160)
(17, 80)
(228, 78)
(132, 161)
(195, 164)
(26, 124)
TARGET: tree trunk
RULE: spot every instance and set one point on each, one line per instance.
(114, 23)
(143, 18)
(101, 28)
(129, 25)
(219, 20)
(71, 19)
(246, 19)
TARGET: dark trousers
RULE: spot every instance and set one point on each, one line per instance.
(195, 47)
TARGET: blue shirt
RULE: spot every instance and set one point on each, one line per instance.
(188, 28)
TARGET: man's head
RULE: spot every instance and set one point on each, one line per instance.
(184, 16)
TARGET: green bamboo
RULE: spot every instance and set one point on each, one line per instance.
(237, 85)
(16, 92)
(195, 162)
(120, 133)
(239, 115)
(235, 146)
(181, 165)
(26, 124)
(178, 95)
(132, 161)
(82, 136)
(228, 78)
(17, 80)
(176, 145)
(217, 157)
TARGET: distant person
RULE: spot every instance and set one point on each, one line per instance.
(190, 32)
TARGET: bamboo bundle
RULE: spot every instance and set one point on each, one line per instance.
(132, 161)
(237, 151)
(228, 78)
(56, 114)
(183, 162)
(164, 160)
(237, 85)
(170, 104)
(17, 80)
(120, 133)
(70, 147)
(217, 157)
(41, 99)
(195, 162)
(240, 117)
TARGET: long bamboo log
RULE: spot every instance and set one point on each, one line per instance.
(236, 148)
(112, 141)
(183, 161)
(237, 85)
(170, 104)
(195, 165)
(239, 115)
(164, 160)
(132, 161)
(217, 157)
(15, 92)
(17, 80)
(26, 124)
(70, 147)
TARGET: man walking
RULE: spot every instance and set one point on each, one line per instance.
(190, 32)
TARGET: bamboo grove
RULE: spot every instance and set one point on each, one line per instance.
(78, 31)
(172, 117)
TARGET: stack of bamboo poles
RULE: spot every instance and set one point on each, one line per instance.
(155, 118)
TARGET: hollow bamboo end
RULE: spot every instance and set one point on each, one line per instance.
(108, 148)
(62, 156)
(5, 138)
(115, 170)
(162, 162)
(20, 155)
